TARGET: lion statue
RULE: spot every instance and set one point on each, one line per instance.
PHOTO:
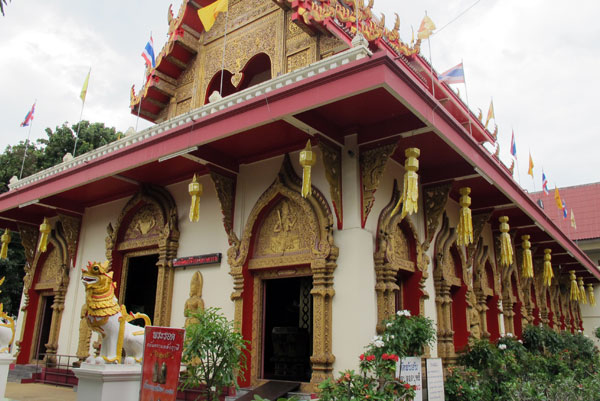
(105, 316)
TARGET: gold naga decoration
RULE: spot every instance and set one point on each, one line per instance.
(45, 232)
(590, 288)
(527, 258)
(574, 289)
(5, 239)
(506, 251)
(195, 189)
(465, 222)
(307, 160)
(548, 273)
(582, 295)
(410, 190)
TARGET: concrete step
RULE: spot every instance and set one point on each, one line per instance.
(20, 372)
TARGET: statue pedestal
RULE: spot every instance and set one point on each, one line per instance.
(108, 382)
(5, 361)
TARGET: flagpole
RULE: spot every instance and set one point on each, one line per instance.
(466, 95)
(224, 47)
(26, 146)
(140, 103)
(430, 62)
(81, 115)
(515, 155)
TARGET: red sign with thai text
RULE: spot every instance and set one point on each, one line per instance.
(162, 360)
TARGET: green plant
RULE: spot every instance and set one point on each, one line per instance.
(404, 335)
(213, 353)
(463, 384)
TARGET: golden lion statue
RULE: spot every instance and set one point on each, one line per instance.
(105, 316)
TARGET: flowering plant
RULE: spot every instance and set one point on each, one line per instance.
(376, 381)
(404, 335)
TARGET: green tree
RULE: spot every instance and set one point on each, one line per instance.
(44, 154)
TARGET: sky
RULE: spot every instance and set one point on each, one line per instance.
(537, 59)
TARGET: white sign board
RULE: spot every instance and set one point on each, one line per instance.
(409, 371)
(435, 379)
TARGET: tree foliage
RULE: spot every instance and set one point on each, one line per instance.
(42, 154)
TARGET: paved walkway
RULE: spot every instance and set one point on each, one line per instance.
(38, 392)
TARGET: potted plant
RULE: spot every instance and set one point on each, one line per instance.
(213, 353)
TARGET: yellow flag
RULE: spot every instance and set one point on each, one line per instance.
(573, 224)
(208, 14)
(85, 86)
(490, 114)
(557, 199)
(530, 171)
(426, 29)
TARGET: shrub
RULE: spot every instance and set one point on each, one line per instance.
(213, 353)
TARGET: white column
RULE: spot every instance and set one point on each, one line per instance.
(5, 361)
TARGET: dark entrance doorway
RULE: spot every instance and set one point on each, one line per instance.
(45, 323)
(287, 329)
(140, 290)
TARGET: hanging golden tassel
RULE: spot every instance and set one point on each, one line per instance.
(307, 160)
(582, 296)
(527, 258)
(45, 232)
(506, 251)
(574, 289)
(5, 239)
(195, 189)
(410, 190)
(465, 222)
(548, 273)
(591, 294)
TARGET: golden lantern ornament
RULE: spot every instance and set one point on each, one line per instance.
(590, 288)
(582, 295)
(44, 233)
(527, 258)
(307, 160)
(574, 289)
(195, 189)
(506, 251)
(5, 239)
(548, 273)
(465, 222)
(410, 190)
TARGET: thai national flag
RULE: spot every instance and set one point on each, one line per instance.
(545, 183)
(148, 53)
(28, 117)
(564, 210)
(455, 75)
(513, 146)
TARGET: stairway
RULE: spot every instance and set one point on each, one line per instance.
(271, 390)
(23, 372)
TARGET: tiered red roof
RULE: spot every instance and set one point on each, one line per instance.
(583, 201)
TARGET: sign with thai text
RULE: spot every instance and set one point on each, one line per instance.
(435, 379)
(198, 260)
(162, 360)
(409, 371)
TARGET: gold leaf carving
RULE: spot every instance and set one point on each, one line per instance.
(372, 166)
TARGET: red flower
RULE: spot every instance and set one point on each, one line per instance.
(384, 356)
(362, 357)
(370, 358)
(347, 376)
(407, 386)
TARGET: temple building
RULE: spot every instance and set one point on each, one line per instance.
(582, 225)
(307, 268)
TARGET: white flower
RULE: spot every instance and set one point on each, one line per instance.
(388, 325)
(509, 335)
(392, 336)
(502, 346)
(579, 331)
(521, 341)
(378, 343)
(403, 312)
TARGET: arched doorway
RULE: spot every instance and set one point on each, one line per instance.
(286, 253)
(400, 280)
(45, 287)
(140, 249)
